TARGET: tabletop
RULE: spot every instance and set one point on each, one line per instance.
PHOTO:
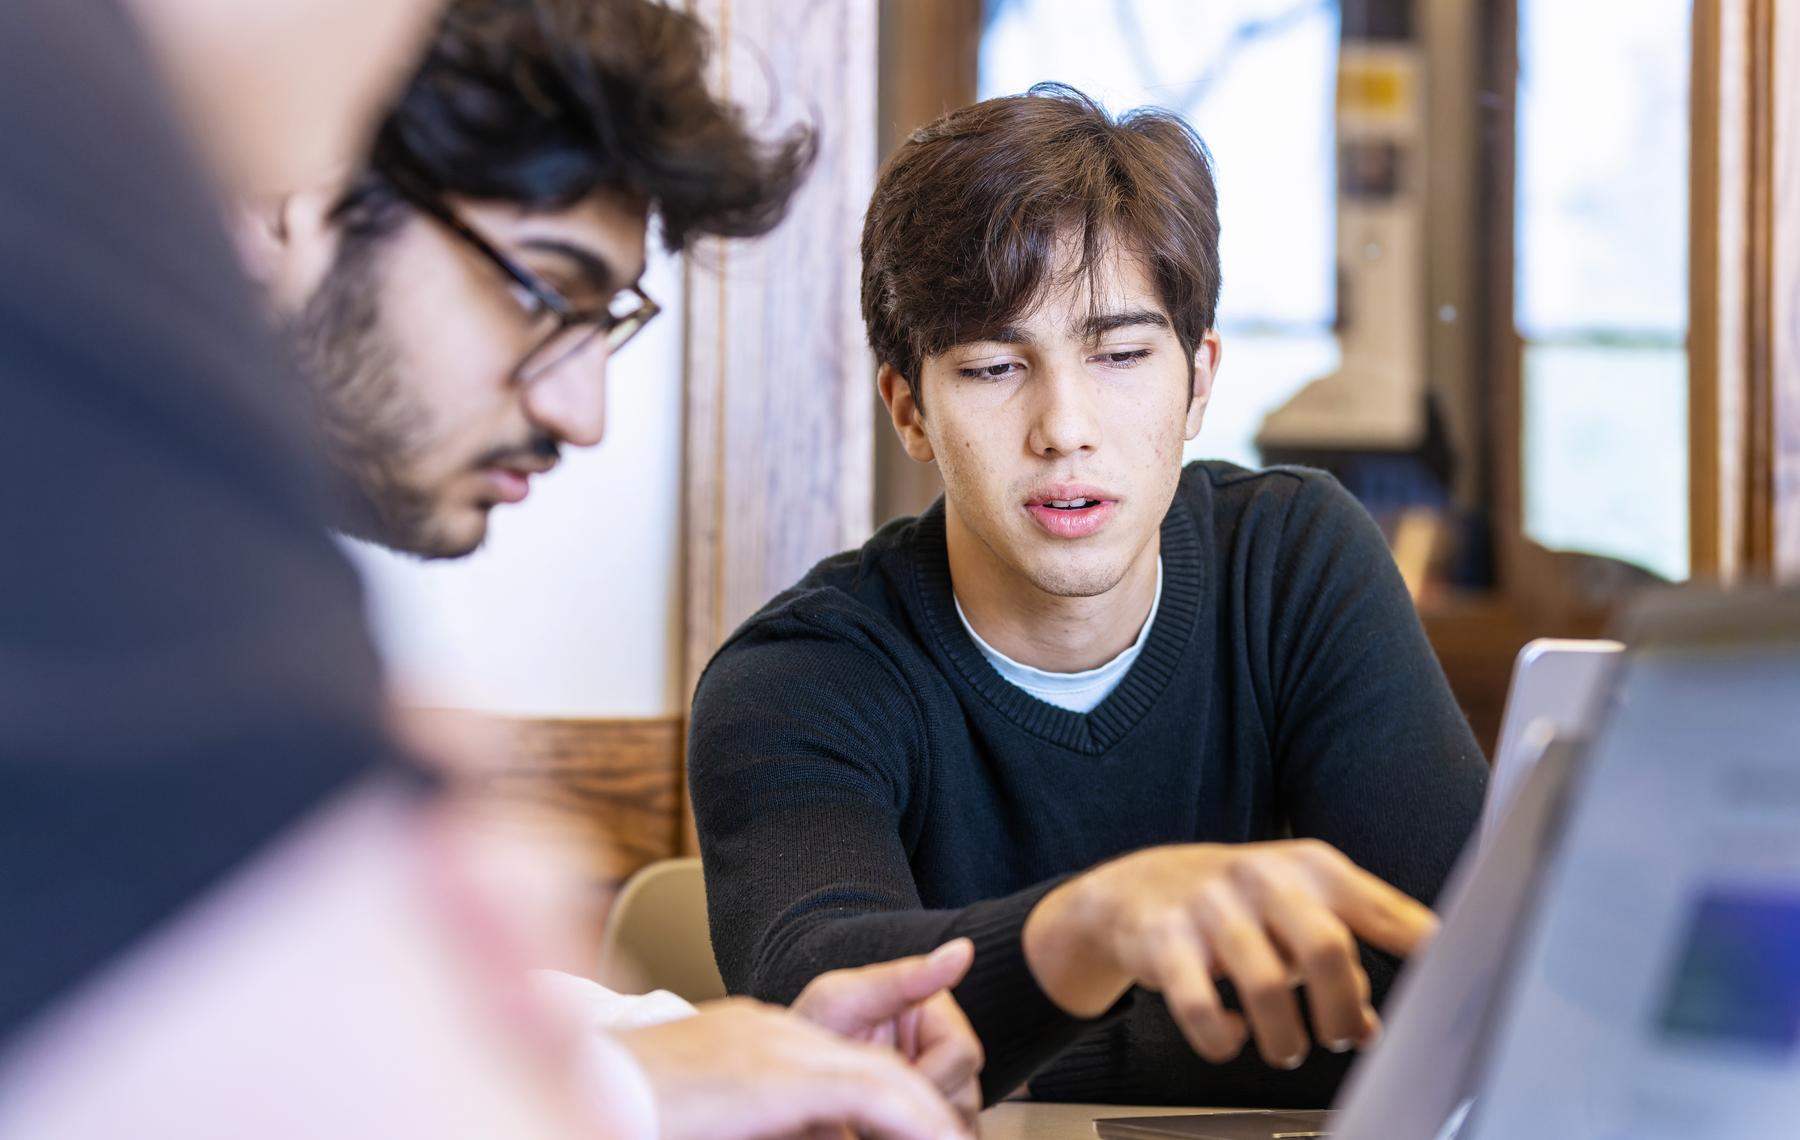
(1026, 1120)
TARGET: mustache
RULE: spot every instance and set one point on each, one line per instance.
(540, 449)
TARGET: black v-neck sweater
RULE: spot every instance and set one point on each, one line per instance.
(867, 786)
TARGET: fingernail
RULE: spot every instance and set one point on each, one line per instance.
(1293, 1062)
(1342, 1045)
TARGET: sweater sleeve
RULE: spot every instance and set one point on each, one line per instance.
(1373, 754)
(805, 750)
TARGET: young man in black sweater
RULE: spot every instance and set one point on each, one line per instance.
(1166, 743)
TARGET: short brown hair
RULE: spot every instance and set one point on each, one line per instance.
(967, 214)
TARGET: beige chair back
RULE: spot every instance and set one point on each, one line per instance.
(656, 936)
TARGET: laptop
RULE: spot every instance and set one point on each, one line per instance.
(1623, 957)
(1554, 685)
(1234, 1125)
(1418, 1077)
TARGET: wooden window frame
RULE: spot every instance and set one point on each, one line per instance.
(1745, 276)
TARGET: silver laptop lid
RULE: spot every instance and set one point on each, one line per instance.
(1655, 991)
(1555, 686)
(1421, 1077)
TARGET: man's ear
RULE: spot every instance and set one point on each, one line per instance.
(287, 244)
(903, 409)
(1207, 356)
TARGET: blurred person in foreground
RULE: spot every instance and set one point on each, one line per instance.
(1131, 726)
(236, 909)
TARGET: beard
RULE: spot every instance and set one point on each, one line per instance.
(374, 429)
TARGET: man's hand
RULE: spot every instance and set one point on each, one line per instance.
(1267, 916)
(906, 1005)
(740, 1070)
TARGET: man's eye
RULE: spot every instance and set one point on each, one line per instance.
(989, 371)
(1124, 358)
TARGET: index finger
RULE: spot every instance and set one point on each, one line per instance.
(950, 1054)
(854, 1001)
(1381, 915)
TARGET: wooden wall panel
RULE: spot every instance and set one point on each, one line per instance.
(600, 796)
(614, 782)
(778, 433)
(779, 469)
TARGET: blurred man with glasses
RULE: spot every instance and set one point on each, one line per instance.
(457, 299)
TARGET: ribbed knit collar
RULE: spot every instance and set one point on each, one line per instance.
(1097, 731)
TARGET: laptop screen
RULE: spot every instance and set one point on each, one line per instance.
(1657, 989)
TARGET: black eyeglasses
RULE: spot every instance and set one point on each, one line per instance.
(626, 313)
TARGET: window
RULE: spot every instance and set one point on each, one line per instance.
(1257, 79)
(1601, 277)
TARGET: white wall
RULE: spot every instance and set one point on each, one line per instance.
(572, 608)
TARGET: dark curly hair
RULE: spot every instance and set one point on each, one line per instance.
(544, 102)
(962, 232)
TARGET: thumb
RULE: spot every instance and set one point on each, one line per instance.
(919, 978)
(859, 999)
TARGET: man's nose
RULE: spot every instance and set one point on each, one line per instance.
(569, 400)
(1064, 421)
